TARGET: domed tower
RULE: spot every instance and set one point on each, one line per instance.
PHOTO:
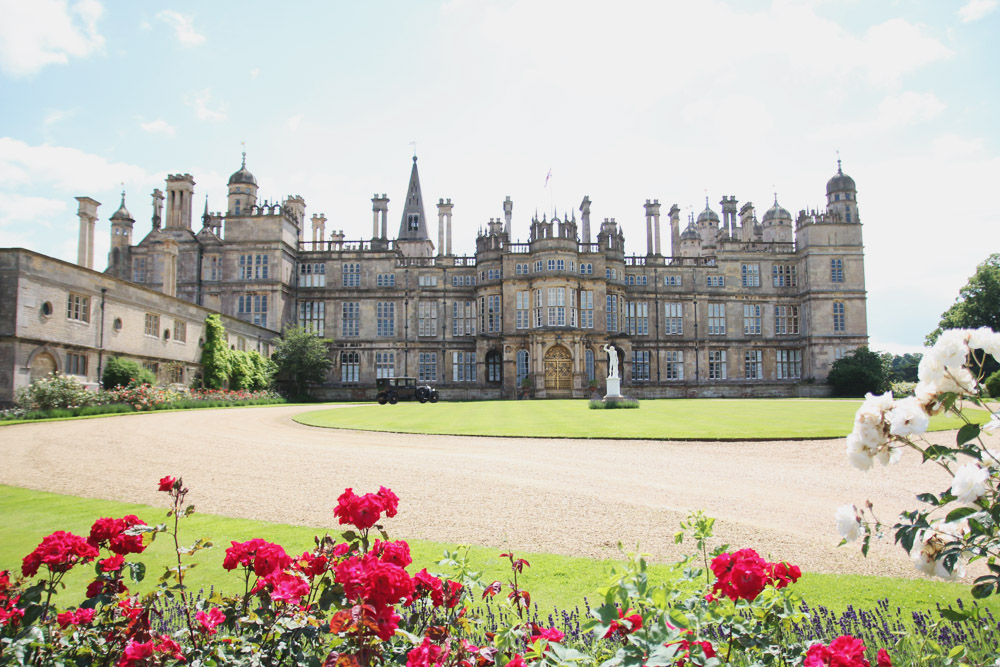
(842, 196)
(708, 225)
(119, 262)
(777, 223)
(242, 190)
(690, 242)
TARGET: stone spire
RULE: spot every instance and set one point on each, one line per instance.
(413, 226)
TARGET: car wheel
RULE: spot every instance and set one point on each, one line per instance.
(393, 399)
(434, 397)
(381, 399)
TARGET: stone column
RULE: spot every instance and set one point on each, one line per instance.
(441, 248)
(585, 219)
(375, 209)
(675, 231)
(649, 227)
(384, 202)
(656, 226)
(508, 212)
(169, 253)
(87, 213)
(318, 228)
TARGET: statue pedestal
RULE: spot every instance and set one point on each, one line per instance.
(614, 388)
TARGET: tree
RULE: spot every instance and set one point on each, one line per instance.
(978, 303)
(302, 356)
(215, 362)
(860, 372)
(249, 370)
(904, 368)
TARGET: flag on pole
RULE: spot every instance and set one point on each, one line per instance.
(547, 177)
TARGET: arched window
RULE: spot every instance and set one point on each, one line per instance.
(493, 366)
(589, 360)
(350, 367)
(522, 366)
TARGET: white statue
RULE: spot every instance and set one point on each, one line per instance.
(612, 361)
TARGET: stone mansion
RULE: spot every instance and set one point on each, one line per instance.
(736, 306)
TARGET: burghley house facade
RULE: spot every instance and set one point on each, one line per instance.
(734, 306)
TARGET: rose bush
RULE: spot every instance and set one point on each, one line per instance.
(962, 523)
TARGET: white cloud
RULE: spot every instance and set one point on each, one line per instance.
(976, 9)
(45, 32)
(158, 126)
(68, 169)
(200, 101)
(184, 27)
(57, 115)
(294, 121)
(15, 208)
(254, 72)
(145, 25)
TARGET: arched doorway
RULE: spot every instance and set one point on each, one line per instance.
(42, 365)
(558, 369)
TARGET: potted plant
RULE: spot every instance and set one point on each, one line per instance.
(525, 389)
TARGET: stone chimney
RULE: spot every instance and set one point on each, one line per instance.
(87, 213)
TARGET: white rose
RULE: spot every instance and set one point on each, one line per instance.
(986, 339)
(882, 403)
(923, 562)
(956, 574)
(930, 369)
(848, 524)
(908, 417)
(992, 425)
(952, 347)
(969, 483)
(857, 454)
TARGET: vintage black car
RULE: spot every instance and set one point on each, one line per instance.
(392, 390)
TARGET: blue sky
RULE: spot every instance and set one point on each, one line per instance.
(622, 101)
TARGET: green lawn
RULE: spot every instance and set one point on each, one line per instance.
(674, 419)
(554, 581)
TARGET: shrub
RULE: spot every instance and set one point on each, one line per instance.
(249, 370)
(122, 372)
(903, 389)
(626, 404)
(992, 385)
(215, 357)
(54, 391)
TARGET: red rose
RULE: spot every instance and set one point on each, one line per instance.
(427, 655)
(135, 654)
(112, 564)
(209, 621)
(883, 658)
(397, 553)
(83, 616)
(64, 619)
(59, 552)
(167, 483)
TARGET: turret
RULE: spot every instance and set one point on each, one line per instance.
(842, 197)
(690, 241)
(119, 262)
(708, 225)
(242, 190)
(777, 223)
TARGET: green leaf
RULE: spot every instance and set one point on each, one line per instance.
(935, 452)
(960, 513)
(967, 433)
(984, 590)
(928, 498)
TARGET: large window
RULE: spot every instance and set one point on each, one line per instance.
(254, 306)
(751, 319)
(586, 269)
(588, 359)
(586, 309)
(350, 367)
(351, 275)
(312, 275)
(385, 280)
(753, 365)
(253, 267)
(427, 281)
(312, 316)
(836, 270)
(637, 318)
(789, 364)
(611, 311)
(784, 275)
(350, 319)
(672, 281)
(152, 327)
(839, 318)
(489, 314)
(640, 365)
(139, 269)
(673, 324)
(213, 268)
(385, 319)
(716, 319)
(522, 366)
(427, 318)
(76, 364)
(750, 274)
(675, 365)
(715, 281)
(538, 308)
(463, 318)
(385, 365)
(522, 308)
(786, 320)
(716, 364)
(557, 306)
(463, 366)
(427, 367)
(78, 308)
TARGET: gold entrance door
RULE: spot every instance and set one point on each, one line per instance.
(558, 369)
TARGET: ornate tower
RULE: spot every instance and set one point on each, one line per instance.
(842, 196)
(119, 257)
(412, 238)
(242, 190)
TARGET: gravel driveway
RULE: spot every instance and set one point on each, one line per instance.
(574, 497)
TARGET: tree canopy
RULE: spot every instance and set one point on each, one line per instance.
(301, 356)
(860, 372)
(215, 362)
(978, 303)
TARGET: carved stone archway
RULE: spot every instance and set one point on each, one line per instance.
(558, 370)
(42, 364)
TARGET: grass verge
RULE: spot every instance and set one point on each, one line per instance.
(664, 419)
(554, 581)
